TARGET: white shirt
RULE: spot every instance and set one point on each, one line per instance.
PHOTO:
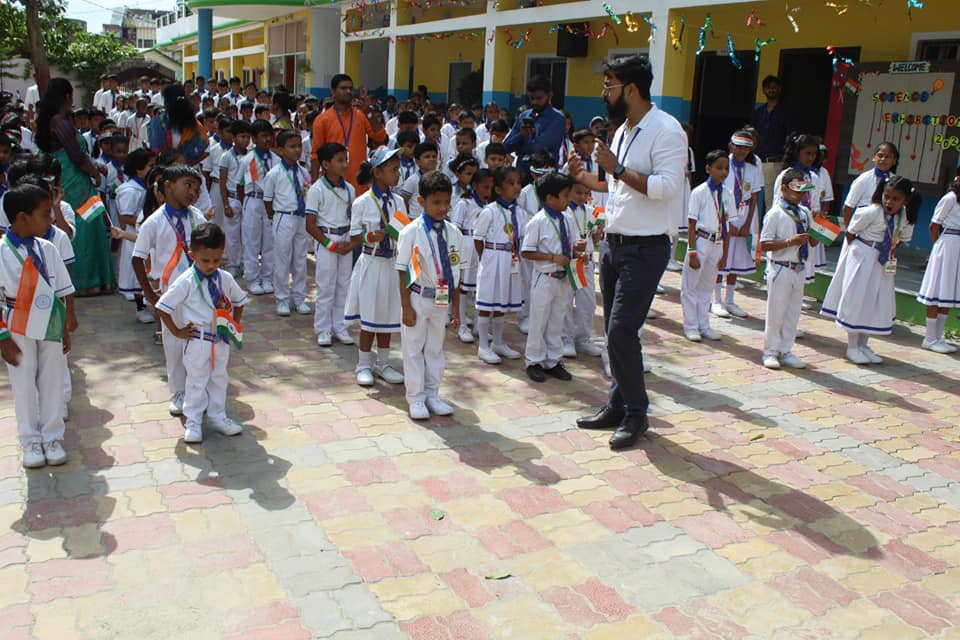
(751, 181)
(464, 214)
(130, 198)
(11, 268)
(189, 302)
(392, 126)
(492, 222)
(157, 99)
(158, 233)
(211, 164)
(543, 234)
(657, 147)
(278, 187)
(32, 97)
(330, 203)
(947, 212)
(870, 223)
(703, 207)
(204, 203)
(232, 162)
(411, 189)
(415, 235)
(482, 134)
(529, 203)
(68, 214)
(368, 216)
(255, 170)
(813, 202)
(582, 218)
(139, 131)
(779, 225)
(861, 190)
(26, 141)
(826, 186)
(59, 238)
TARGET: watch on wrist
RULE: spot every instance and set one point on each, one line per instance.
(618, 171)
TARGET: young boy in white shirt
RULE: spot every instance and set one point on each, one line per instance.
(257, 230)
(219, 144)
(231, 172)
(541, 163)
(284, 196)
(428, 259)
(203, 307)
(550, 243)
(578, 324)
(426, 156)
(329, 203)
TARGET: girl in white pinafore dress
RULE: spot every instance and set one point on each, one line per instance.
(940, 289)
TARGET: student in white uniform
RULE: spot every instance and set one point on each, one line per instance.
(374, 298)
(940, 289)
(785, 238)
(220, 144)
(578, 323)
(203, 308)
(801, 153)
(819, 259)
(541, 163)
(131, 196)
(885, 161)
(425, 155)
(232, 170)
(707, 228)
(745, 181)
(35, 365)
(464, 215)
(550, 243)
(257, 230)
(329, 203)
(496, 238)
(284, 196)
(164, 237)
(429, 258)
(861, 295)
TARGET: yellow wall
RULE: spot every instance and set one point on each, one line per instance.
(352, 60)
(406, 14)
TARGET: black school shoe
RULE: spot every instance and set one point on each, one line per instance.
(535, 372)
(558, 372)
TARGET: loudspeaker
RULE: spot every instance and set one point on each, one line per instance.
(572, 45)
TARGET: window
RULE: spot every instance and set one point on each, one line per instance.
(287, 59)
(937, 50)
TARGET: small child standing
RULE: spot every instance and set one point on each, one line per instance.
(428, 286)
(232, 169)
(284, 196)
(219, 145)
(329, 203)
(549, 245)
(786, 238)
(374, 299)
(940, 289)
(464, 215)
(426, 156)
(38, 323)
(203, 307)
(710, 207)
(462, 168)
(541, 163)
(578, 323)
(131, 196)
(257, 230)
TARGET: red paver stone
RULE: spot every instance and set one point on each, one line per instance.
(468, 586)
(59, 512)
(56, 579)
(338, 502)
(533, 500)
(145, 532)
(573, 607)
(451, 486)
(713, 529)
(510, 539)
(375, 470)
(604, 599)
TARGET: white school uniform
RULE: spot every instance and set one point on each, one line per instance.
(37, 382)
(130, 198)
(529, 204)
(232, 162)
(422, 344)
(749, 178)
(862, 189)
(498, 273)
(373, 299)
(289, 231)
(157, 239)
(710, 212)
(205, 354)
(410, 189)
(139, 127)
(331, 204)
(785, 281)
(464, 215)
(819, 252)
(211, 166)
(861, 295)
(59, 238)
(108, 188)
(551, 294)
(811, 200)
(941, 280)
(257, 229)
(578, 322)
(407, 170)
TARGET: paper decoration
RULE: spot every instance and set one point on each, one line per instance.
(611, 12)
(753, 20)
(633, 25)
(759, 44)
(836, 6)
(676, 36)
(702, 36)
(731, 50)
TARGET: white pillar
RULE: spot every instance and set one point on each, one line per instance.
(658, 49)
(392, 51)
(327, 51)
(489, 59)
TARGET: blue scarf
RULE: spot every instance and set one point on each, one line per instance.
(887, 243)
(738, 179)
(716, 190)
(29, 243)
(294, 171)
(384, 197)
(438, 226)
(565, 247)
(798, 220)
(512, 208)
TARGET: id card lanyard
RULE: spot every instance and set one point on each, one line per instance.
(510, 231)
(442, 298)
(890, 266)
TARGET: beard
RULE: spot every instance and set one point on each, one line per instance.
(617, 110)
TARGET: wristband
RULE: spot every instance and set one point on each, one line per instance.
(691, 252)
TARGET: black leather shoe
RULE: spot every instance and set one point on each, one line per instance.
(559, 372)
(535, 373)
(606, 418)
(629, 430)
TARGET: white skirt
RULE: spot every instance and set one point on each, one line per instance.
(739, 257)
(127, 281)
(468, 265)
(497, 289)
(374, 295)
(941, 280)
(861, 296)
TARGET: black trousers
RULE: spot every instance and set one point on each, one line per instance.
(629, 274)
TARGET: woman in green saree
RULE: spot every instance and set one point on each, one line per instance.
(56, 135)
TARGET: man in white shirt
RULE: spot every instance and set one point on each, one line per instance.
(645, 164)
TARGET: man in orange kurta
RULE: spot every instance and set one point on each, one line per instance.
(347, 125)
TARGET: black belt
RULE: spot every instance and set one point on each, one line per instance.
(793, 266)
(872, 245)
(712, 237)
(257, 196)
(377, 252)
(498, 246)
(339, 231)
(620, 239)
(559, 275)
(200, 334)
(426, 292)
(292, 213)
(951, 232)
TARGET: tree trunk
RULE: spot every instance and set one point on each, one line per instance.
(38, 55)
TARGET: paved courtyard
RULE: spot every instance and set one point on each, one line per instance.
(762, 504)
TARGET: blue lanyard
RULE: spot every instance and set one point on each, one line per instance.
(346, 132)
(433, 252)
(630, 144)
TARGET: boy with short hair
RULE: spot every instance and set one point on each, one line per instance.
(426, 155)
(495, 155)
(257, 230)
(407, 142)
(578, 324)
(231, 170)
(428, 259)
(37, 327)
(497, 131)
(529, 202)
(203, 307)
(549, 245)
(211, 166)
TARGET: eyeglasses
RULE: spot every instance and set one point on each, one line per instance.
(607, 87)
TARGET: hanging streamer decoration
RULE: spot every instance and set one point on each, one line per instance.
(702, 36)
(653, 27)
(840, 8)
(731, 50)
(611, 12)
(753, 20)
(911, 5)
(790, 17)
(633, 25)
(759, 44)
(676, 36)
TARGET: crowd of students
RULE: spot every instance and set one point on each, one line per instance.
(438, 228)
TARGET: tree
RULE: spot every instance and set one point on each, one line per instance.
(38, 56)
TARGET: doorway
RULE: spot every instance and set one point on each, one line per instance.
(723, 100)
(458, 71)
(556, 70)
(807, 76)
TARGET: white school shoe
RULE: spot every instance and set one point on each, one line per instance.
(226, 426)
(465, 335)
(324, 339)
(587, 348)
(54, 452)
(438, 407)
(343, 336)
(488, 356)
(792, 361)
(365, 377)
(193, 434)
(33, 457)
(505, 351)
(692, 336)
(710, 334)
(176, 404)
(569, 351)
(800, 334)
(804, 306)
(856, 356)
(719, 310)
(871, 355)
(267, 287)
(937, 346)
(735, 310)
(256, 289)
(304, 309)
(388, 374)
(660, 289)
(283, 309)
(146, 316)
(647, 367)
(673, 265)
(771, 362)
(419, 411)
(652, 314)
(524, 326)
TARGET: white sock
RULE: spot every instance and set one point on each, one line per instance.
(498, 324)
(853, 340)
(863, 339)
(483, 332)
(941, 324)
(933, 326)
(718, 292)
(731, 288)
(364, 360)
(383, 356)
(464, 302)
